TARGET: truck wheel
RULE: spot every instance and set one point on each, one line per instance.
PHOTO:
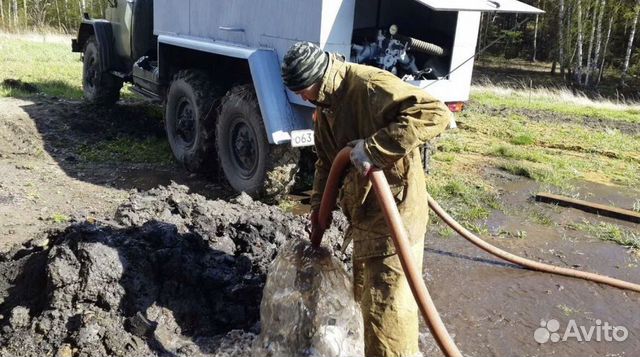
(98, 87)
(249, 162)
(189, 119)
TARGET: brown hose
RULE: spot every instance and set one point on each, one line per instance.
(414, 276)
(418, 288)
(399, 235)
(527, 263)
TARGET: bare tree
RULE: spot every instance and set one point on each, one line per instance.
(625, 67)
(58, 15)
(1, 12)
(596, 56)
(578, 73)
(535, 37)
(39, 10)
(591, 40)
(26, 16)
(561, 37)
(604, 52)
(14, 9)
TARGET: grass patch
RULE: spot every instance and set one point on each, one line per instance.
(150, 150)
(508, 151)
(610, 232)
(444, 157)
(467, 197)
(49, 66)
(539, 217)
(59, 218)
(523, 139)
(556, 101)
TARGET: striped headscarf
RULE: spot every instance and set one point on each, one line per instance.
(304, 64)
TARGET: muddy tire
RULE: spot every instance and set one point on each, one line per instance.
(249, 162)
(98, 87)
(189, 119)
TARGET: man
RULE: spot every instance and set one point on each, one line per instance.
(385, 120)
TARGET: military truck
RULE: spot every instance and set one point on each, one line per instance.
(215, 67)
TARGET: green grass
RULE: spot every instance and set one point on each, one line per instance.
(151, 150)
(540, 217)
(521, 101)
(560, 153)
(59, 218)
(466, 196)
(610, 232)
(51, 67)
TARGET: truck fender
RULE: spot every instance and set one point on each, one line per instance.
(277, 114)
(101, 29)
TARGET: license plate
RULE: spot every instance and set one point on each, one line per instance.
(302, 138)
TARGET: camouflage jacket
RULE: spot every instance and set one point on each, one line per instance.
(394, 118)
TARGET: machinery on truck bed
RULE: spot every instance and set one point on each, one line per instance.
(215, 67)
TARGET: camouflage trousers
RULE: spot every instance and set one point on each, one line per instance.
(389, 310)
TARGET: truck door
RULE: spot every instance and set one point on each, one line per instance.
(120, 17)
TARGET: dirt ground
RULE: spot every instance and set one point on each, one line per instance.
(45, 182)
(491, 308)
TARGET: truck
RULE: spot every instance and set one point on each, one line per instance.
(214, 65)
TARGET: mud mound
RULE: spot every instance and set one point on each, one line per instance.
(180, 276)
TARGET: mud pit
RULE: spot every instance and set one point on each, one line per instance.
(177, 275)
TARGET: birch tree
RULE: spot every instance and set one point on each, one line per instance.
(625, 66)
(596, 56)
(561, 37)
(578, 73)
(14, 9)
(594, 16)
(604, 51)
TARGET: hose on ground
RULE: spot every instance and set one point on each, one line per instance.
(527, 263)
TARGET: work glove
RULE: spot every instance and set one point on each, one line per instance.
(359, 157)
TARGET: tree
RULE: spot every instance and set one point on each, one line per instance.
(591, 41)
(596, 57)
(578, 71)
(604, 52)
(14, 9)
(625, 66)
(561, 37)
(535, 38)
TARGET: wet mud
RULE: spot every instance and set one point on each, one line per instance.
(493, 308)
(174, 275)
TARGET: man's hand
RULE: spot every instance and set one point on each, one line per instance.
(316, 231)
(359, 158)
